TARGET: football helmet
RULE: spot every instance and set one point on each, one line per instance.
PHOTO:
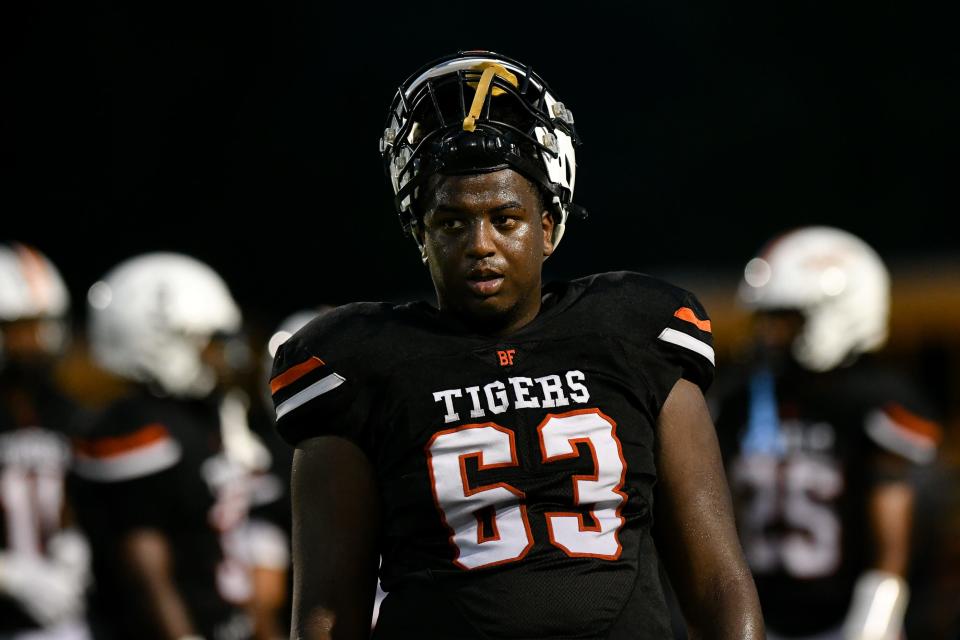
(290, 325)
(475, 112)
(152, 316)
(31, 288)
(835, 280)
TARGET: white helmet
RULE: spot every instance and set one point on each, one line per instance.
(32, 288)
(152, 316)
(835, 280)
(291, 324)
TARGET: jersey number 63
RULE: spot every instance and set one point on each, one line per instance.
(509, 539)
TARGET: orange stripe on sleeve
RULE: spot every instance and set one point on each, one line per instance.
(912, 422)
(294, 373)
(119, 445)
(687, 314)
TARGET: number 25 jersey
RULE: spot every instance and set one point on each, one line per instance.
(516, 474)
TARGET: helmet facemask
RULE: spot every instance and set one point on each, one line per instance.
(478, 113)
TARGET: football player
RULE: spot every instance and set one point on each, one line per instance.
(508, 452)
(163, 474)
(819, 441)
(44, 562)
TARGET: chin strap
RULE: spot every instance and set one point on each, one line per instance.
(879, 603)
(483, 87)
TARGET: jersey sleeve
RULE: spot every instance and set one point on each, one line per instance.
(122, 472)
(321, 385)
(139, 452)
(680, 345)
(900, 420)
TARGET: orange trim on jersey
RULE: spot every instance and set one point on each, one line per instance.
(495, 532)
(589, 477)
(914, 423)
(618, 489)
(687, 314)
(119, 445)
(468, 491)
(294, 373)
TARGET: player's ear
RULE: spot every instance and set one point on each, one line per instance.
(546, 223)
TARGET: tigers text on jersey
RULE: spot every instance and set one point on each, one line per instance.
(802, 452)
(515, 474)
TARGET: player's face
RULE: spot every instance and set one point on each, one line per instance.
(486, 237)
(775, 331)
(228, 356)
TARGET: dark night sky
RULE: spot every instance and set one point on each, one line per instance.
(246, 134)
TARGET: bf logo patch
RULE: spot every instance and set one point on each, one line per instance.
(506, 357)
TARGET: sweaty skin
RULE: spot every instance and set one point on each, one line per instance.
(485, 237)
(335, 525)
(486, 227)
(695, 530)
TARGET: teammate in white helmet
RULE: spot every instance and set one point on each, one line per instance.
(819, 441)
(164, 473)
(44, 562)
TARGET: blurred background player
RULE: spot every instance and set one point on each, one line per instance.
(164, 473)
(44, 564)
(819, 441)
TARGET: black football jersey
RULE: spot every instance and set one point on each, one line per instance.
(36, 422)
(157, 463)
(516, 474)
(802, 452)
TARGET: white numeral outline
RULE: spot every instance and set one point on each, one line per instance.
(494, 447)
(601, 540)
(801, 492)
(484, 551)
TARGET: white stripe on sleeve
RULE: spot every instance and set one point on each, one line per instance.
(318, 388)
(891, 436)
(142, 461)
(687, 341)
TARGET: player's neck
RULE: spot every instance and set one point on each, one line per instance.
(506, 324)
(518, 322)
